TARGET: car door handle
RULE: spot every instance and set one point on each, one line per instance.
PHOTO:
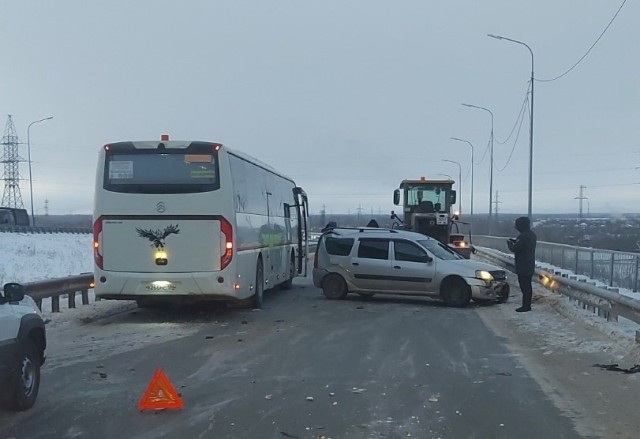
(354, 263)
(397, 267)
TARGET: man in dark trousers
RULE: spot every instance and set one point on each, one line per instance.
(524, 249)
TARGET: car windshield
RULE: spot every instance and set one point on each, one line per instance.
(439, 250)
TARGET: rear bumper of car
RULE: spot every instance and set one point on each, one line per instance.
(318, 275)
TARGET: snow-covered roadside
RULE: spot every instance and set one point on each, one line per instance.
(623, 331)
(26, 257)
(31, 257)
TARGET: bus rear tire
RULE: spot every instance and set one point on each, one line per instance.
(258, 296)
(288, 284)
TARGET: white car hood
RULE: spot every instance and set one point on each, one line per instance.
(468, 267)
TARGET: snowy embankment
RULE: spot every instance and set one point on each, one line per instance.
(31, 257)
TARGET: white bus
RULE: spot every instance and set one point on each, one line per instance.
(176, 220)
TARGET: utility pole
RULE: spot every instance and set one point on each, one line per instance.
(11, 159)
(359, 209)
(497, 201)
(530, 202)
(580, 198)
(490, 162)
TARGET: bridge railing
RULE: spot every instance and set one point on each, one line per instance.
(614, 268)
(607, 304)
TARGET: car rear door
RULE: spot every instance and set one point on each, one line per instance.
(370, 266)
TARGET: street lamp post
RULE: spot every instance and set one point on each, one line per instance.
(490, 165)
(471, 145)
(446, 175)
(33, 218)
(529, 207)
(459, 183)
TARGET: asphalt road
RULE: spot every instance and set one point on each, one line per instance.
(302, 367)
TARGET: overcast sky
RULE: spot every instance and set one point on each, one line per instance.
(346, 97)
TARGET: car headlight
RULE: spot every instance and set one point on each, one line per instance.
(484, 275)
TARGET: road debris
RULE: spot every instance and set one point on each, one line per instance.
(614, 367)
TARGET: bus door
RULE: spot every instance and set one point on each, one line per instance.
(302, 209)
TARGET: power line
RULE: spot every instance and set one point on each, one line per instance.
(485, 152)
(515, 142)
(590, 48)
(520, 114)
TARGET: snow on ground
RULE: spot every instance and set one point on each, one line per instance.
(26, 257)
(624, 330)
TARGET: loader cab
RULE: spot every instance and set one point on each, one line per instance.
(426, 206)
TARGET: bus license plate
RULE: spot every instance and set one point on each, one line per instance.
(160, 286)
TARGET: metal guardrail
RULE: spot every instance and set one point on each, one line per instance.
(29, 229)
(605, 303)
(54, 288)
(614, 268)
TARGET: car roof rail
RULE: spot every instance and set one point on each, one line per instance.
(364, 229)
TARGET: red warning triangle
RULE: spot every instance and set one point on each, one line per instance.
(160, 394)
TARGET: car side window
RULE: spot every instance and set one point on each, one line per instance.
(408, 251)
(338, 246)
(373, 248)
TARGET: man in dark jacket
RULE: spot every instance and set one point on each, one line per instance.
(524, 249)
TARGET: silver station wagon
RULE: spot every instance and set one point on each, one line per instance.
(388, 261)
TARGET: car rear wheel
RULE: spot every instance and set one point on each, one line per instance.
(455, 292)
(27, 377)
(334, 287)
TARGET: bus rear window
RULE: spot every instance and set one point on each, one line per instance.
(160, 172)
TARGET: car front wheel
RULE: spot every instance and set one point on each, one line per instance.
(503, 296)
(27, 377)
(456, 292)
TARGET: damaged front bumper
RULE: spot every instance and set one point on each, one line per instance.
(494, 290)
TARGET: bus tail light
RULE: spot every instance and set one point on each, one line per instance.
(226, 232)
(97, 252)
